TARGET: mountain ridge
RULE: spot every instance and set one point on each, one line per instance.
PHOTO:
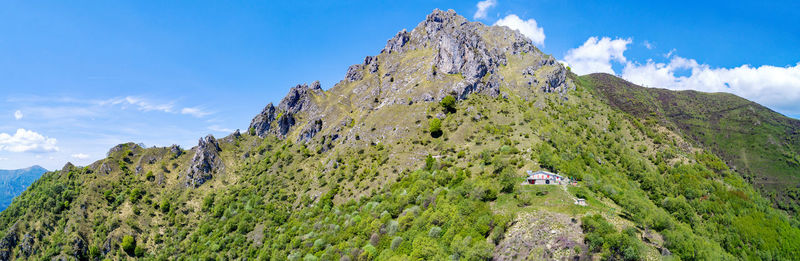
(418, 153)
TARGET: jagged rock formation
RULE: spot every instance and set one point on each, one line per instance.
(205, 162)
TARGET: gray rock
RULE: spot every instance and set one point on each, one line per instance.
(175, 150)
(26, 246)
(371, 62)
(299, 98)
(262, 123)
(285, 123)
(205, 162)
(79, 249)
(397, 42)
(354, 73)
(8, 242)
(310, 130)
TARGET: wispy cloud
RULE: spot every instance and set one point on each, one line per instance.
(195, 111)
(27, 141)
(217, 128)
(140, 104)
(80, 156)
(18, 115)
(483, 7)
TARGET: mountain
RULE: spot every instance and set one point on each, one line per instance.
(420, 152)
(14, 182)
(760, 144)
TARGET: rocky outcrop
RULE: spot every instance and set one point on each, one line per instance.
(542, 235)
(176, 151)
(262, 123)
(354, 73)
(463, 47)
(300, 98)
(310, 130)
(79, 250)
(397, 42)
(205, 163)
(26, 246)
(285, 123)
(8, 242)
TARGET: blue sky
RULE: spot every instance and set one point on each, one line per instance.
(80, 77)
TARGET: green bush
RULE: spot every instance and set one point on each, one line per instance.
(129, 245)
(435, 127)
(449, 104)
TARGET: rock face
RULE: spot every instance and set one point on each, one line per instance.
(79, 248)
(299, 99)
(262, 123)
(310, 130)
(8, 242)
(26, 247)
(175, 150)
(443, 55)
(205, 163)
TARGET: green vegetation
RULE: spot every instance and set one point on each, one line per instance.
(435, 127)
(448, 104)
(377, 183)
(762, 144)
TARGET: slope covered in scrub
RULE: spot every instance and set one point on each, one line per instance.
(384, 166)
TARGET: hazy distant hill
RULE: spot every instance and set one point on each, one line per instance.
(14, 182)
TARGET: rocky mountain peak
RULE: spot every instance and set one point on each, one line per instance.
(443, 55)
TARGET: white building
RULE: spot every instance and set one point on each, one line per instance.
(544, 178)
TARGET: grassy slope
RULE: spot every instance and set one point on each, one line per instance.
(759, 143)
(282, 200)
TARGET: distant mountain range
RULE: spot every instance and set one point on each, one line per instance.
(14, 182)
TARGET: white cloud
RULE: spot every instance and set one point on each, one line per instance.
(195, 111)
(772, 86)
(80, 156)
(2, 158)
(218, 128)
(27, 141)
(483, 7)
(596, 55)
(18, 115)
(528, 27)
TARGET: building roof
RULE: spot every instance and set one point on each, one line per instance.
(543, 172)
